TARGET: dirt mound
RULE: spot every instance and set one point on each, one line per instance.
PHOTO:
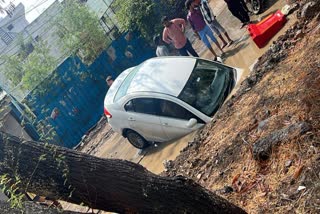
(282, 92)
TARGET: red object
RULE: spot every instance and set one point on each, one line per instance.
(263, 31)
(108, 115)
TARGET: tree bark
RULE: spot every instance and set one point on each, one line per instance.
(105, 184)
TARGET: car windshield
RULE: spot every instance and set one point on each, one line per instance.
(208, 86)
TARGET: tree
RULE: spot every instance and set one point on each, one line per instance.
(30, 66)
(105, 184)
(138, 15)
(38, 65)
(13, 69)
(80, 31)
(145, 15)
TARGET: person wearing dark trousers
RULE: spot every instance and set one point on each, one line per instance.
(239, 9)
(188, 48)
(173, 33)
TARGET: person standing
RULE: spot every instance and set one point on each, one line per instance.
(162, 49)
(173, 34)
(212, 22)
(239, 9)
(200, 28)
(109, 80)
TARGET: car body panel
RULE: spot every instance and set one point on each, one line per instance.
(149, 125)
(154, 83)
(176, 128)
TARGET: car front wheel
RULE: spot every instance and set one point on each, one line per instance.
(136, 140)
(255, 6)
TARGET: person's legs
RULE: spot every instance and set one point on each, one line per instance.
(234, 10)
(224, 43)
(217, 32)
(209, 33)
(244, 14)
(190, 49)
(221, 29)
(183, 51)
(218, 26)
(214, 28)
(206, 42)
(230, 41)
(243, 11)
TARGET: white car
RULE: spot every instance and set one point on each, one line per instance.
(165, 98)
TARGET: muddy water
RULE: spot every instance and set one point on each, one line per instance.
(242, 54)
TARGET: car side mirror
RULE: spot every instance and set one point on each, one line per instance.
(191, 123)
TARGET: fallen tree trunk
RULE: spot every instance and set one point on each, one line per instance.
(105, 184)
(262, 149)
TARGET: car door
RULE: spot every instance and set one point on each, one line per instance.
(175, 118)
(143, 118)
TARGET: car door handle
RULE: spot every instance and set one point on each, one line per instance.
(131, 119)
(165, 124)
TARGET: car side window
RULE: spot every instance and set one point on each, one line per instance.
(143, 105)
(173, 110)
(129, 106)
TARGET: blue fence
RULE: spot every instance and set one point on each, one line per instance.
(73, 100)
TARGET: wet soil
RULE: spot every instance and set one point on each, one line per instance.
(282, 90)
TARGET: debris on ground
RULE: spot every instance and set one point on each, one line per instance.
(261, 150)
(95, 137)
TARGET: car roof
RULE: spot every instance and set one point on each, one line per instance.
(167, 75)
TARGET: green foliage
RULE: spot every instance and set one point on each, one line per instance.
(38, 65)
(174, 9)
(13, 69)
(9, 186)
(27, 68)
(145, 15)
(80, 31)
(138, 15)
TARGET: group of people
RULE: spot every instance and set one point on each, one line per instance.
(204, 23)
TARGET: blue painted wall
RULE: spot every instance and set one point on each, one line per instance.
(73, 100)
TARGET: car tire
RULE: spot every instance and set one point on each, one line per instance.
(256, 6)
(136, 139)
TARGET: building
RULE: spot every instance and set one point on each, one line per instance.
(12, 25)
(28, 34)
(106, 14)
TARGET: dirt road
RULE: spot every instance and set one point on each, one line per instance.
(102, 142)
